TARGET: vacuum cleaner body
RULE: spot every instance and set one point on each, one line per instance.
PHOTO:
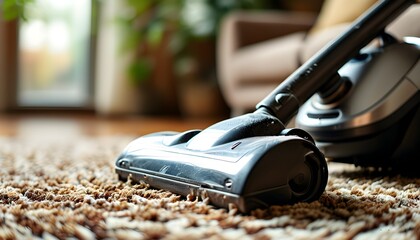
(375, 123)
(252, 160)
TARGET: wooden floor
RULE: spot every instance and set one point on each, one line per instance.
(22, 125)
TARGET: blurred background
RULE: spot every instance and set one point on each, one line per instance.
(118, 57)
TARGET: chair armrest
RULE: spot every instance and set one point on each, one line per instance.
(256, 26)
(242, 28)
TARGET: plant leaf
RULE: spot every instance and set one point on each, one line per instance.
(140, 70)
(155, 33)
(13, 9)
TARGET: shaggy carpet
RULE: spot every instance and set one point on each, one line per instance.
(68, 190)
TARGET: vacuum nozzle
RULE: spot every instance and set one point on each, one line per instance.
(250, 161)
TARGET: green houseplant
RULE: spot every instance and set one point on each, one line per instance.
(186, 31)
(148, 22)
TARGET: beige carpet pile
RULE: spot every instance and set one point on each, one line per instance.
(68, 190)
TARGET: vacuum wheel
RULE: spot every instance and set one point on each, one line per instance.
(308, 182)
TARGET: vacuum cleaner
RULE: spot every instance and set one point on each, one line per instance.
(354, 100)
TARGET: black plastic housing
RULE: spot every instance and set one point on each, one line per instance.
(251, 173)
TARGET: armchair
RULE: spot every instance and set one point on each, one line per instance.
(256, 50)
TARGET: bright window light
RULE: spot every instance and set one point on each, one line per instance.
(54, 54)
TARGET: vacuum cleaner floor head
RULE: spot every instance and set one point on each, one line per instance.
(247, 170)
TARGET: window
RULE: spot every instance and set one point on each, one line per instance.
(54, 54)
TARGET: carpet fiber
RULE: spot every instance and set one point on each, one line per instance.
(68, 189)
